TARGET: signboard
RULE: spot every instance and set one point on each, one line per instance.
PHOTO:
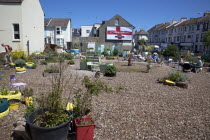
(119, 33)
(83, 40)
(91, 45)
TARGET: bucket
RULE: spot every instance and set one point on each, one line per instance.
(14, 104)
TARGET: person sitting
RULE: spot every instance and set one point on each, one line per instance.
(154, 57)
(198, 67)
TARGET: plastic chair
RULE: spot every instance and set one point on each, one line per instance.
(12, 84)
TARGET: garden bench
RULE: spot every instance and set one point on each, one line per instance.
(93, 61)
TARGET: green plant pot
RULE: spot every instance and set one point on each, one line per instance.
(83, 66)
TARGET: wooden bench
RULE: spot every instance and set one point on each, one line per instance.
(93, 61)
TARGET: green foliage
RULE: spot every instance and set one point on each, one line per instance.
(111, 69)
(52, 101)
(69, 56)
(110, 58)
(207, 38)
(171, 51)
(149, 48)
(28, 92)
(142, 42)
(175, 76)
(105, 53)
(189, 57)
(29, 109)
(75, 46)
(82, 101)
(206, 57)
(4, 90)
(115, 52)
(20, 62)
(94, 87)
(52, 69)
(34, 66)
(43, 62)
(71, 61)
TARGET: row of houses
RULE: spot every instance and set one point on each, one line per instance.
(23, 26)
(186, 34)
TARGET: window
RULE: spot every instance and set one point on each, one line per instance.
(87, 31)
(188, 36)
(201, 40)
(185, 28)
(184, 38)
(59, 41)
(192, 27)
(189, 28)
(116, 22)
(177, 38)
(198, 27)
(174, 39)
(197, 37)
(16, 31)
(58, 30)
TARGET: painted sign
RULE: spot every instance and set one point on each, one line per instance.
(119, 33)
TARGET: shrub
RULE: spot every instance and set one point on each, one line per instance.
(206, 57)
(115, 52)
(52, 69)
(171, 51)
(71, 61)
(105, 53)
(175, 76)
(111, 69)
(28, 92)
(20, 62)
(69, 56)
(43, 62)
(110, 58)
(18, 54)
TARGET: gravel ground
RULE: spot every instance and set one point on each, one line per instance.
(143, 109)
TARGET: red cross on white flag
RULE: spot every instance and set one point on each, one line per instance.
(119, 33)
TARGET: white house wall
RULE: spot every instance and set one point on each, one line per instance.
(83, 31)
(10, 13)
(33, 25)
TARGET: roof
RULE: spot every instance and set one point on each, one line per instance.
(142, 32)
(156, 27)
(11, 1)
(117, 16)
(52, 22)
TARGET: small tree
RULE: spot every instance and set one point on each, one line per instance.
(142, 43)
(115, 52)
(171, 51)
(206, 38)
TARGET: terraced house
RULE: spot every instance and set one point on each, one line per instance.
(186, 34)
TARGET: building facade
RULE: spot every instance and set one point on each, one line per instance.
(116, 33)
(21, 27)
(142, 34)
(58, 31)
(186, 34)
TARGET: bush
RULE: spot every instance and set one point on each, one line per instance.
(69, 57)
(171, 51)
(105, 53)
(43, 62)
(71, 62)
(115, 52)
(111, 69)
(175, 76)
(20, 62)
(206, 57)
(52, 69)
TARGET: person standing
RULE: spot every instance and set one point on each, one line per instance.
(7, 56)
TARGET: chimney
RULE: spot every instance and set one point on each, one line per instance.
(206, 13)
(141, 29)
(167, 22)
(183, 19)
(174, 21)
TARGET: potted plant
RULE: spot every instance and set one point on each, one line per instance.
(71, 62)
(50, 120)
(110, 71)
(29, 65)
(20, 63)
(6, 94)
(149, 65)
(83, 63)
(28, 93)
(4, 110)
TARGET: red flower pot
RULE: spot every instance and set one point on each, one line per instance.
(84, 132)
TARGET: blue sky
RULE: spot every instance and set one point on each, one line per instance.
(140, 13)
